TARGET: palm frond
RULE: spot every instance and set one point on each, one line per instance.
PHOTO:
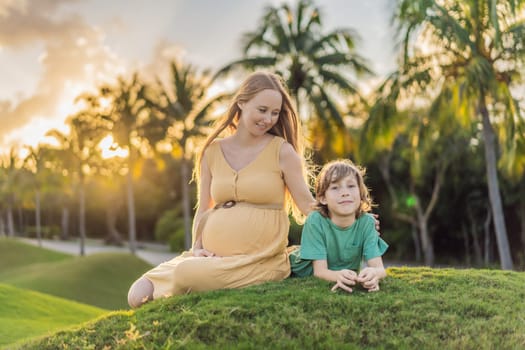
(204, 111)
(343, 39)
(314, 20)
(259, 41)
(449, 29)
(336, 79)
(247, 63)
(330, 106)
(336, 58)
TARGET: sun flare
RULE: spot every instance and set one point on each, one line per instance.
(110, 149)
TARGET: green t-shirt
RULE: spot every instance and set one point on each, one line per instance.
(342, 248)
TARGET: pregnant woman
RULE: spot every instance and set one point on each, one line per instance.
(248, 183)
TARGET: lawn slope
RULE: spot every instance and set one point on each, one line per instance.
(101, 280)
(25, 313)
(417, 308)
(14, 254)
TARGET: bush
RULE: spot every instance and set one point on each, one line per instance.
(294, 234)
(47, 232)
(170, 228)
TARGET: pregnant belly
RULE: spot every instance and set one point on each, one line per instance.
(239, 231)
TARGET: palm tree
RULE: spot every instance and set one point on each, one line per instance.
(185, 108)
(471, 50)
(11, 169)
(35, 163)
(110, 183)
(60, 162)
(67, 158)
(513, 165)
(318, 67)
(127, 117)
(77, 149)
(425, 141)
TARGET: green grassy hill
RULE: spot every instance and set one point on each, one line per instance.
(25, 313)
(101, 280)
(417, 308)
(14, 254)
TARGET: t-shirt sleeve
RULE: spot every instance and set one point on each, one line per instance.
(373, 246)
(313, 245)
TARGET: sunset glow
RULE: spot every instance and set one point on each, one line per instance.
(110, 149)
(42, 84)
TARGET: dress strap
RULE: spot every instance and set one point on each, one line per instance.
(232, 203)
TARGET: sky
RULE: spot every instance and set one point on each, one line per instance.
(53, 50)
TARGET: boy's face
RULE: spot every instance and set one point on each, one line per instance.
(342, 197)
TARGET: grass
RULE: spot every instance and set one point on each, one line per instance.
(25, 313)
(14, 254)
(417, 308)
(101, 280)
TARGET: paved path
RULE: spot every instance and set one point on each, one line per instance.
(152, 253)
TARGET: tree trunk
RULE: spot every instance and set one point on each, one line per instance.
(384, 166)
(10, 221)
(131, 206)
(65, 223)
(2, 225)
(493, 185)
(113, 235)
(522, 222)
(521, 213)
(417, 243)
(426, 241)
(82, 216)
(464, 232)
(486, 230)
(37, 218)
(474, 234)
(477, 247)
(21, 219)
(424, 215)
(186, 205)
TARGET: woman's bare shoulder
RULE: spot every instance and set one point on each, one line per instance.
(288, 157)
(287, 151)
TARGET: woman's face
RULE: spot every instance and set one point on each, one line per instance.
(261, 113)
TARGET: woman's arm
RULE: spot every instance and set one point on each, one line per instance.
(370, 276)
(205, 203)
(343, 278)
(292, 169)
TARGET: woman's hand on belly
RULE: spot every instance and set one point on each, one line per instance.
(200, 252)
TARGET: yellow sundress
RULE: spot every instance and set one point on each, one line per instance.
(250, 237)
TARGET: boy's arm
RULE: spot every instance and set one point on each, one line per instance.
(343, 278)
(370, 276)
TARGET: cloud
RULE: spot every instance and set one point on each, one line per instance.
(24, 22)
(164, 53)
(74, 58)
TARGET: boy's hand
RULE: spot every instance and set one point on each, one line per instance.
(345, 278)
(369, 279)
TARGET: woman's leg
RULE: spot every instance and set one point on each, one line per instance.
(140, 292)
